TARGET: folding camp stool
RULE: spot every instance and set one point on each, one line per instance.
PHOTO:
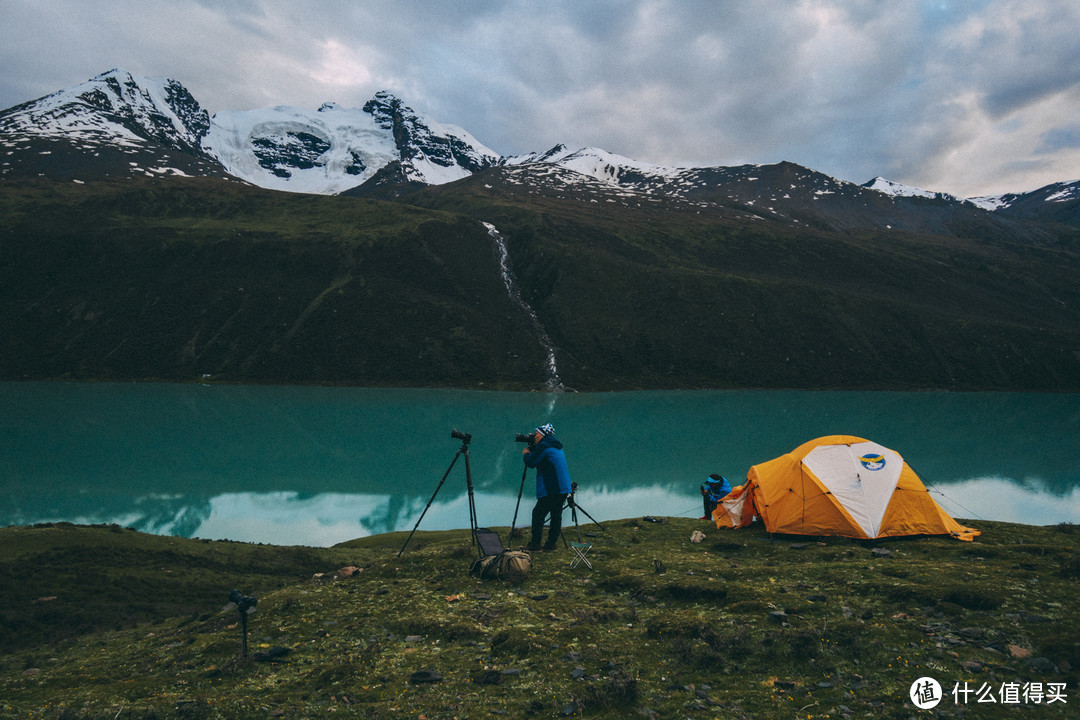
(580, 550)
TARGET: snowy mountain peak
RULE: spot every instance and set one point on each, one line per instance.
(115, 108)
(597, 164)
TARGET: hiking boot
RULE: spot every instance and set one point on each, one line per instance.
(550, 548)
(533, 546)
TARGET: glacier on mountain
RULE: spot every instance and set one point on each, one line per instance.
(287, 148)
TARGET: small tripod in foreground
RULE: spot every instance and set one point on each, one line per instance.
(580, 548)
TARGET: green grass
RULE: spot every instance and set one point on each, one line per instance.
(740, 625)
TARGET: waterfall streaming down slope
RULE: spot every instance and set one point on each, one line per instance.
(552, 383)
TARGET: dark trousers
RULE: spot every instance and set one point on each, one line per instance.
(551, 505)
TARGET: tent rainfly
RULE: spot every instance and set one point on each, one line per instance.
(838, 485)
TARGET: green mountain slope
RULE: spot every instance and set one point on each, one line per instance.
(181, 279)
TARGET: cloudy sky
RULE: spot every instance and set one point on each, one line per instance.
(972, 97)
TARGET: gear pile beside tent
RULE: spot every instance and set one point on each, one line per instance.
(838, 485)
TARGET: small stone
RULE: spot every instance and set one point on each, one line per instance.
(1019, 653)
(273, 654)
(488, 677)
(424, 676)
(778, 616)
(882, 552)
(1044, 665)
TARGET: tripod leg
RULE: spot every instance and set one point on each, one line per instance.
(513, 522)
(437, 488)
(573, 516)
(472, 501)
(595, 521)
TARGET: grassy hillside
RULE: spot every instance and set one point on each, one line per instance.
(186, 279)
(739, 625)
(183, 279)
(679, 295)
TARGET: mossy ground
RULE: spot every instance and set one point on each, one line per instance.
(739, 625)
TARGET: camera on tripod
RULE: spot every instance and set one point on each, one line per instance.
(526, 438)
(457, 435)
(245, 604)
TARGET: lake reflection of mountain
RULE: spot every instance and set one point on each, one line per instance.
(319, 465)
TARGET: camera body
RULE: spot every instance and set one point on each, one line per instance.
(458, 435)
(245, 604)
(526, 438)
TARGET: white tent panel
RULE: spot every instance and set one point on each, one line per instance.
(862, 477)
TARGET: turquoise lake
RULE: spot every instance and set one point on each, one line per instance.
(317, 466)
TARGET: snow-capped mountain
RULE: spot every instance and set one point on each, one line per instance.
(314, 151)
(114, 124)
(117, 124)
(115, 108)
(1057, 202)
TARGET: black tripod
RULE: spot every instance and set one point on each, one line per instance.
(465, 439)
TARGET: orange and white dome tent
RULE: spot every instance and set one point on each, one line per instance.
(838, 485)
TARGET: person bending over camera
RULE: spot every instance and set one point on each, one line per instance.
(545, 453)
(715, 489)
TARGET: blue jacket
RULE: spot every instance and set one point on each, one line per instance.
(717, 489)
(552, 473)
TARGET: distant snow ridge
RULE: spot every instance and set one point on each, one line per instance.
(598, 164)
(899, 190)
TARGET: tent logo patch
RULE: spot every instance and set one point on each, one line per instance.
(873, 461)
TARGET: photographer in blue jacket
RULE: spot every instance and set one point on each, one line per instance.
(545, 453)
